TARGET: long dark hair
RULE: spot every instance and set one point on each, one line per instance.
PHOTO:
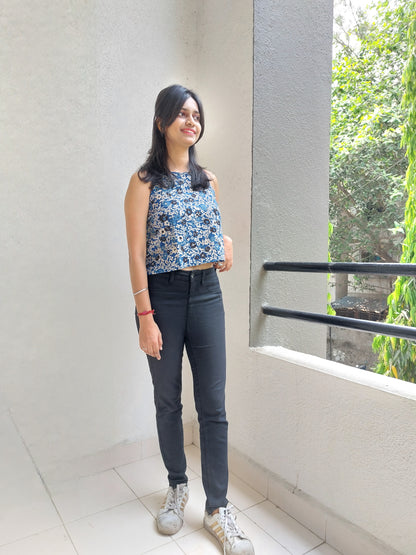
(155, 170)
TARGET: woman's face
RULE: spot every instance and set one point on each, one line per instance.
(186, 128)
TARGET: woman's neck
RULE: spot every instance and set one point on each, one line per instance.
(178, 161)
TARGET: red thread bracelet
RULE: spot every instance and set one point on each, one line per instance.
(145, 313)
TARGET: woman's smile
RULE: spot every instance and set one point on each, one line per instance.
(189, 131)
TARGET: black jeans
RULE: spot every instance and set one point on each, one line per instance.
(189, 312)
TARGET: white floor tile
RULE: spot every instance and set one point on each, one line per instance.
(199, 543)
(25, 506)
(324, 549)
(241, 495)
(147, 475)
(262, 542)
(169, 549)
(283, 528)
(125, 530)
(52, 542)
(91, 494)
(26, 512)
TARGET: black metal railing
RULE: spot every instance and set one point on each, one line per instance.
(380, 268)
(386, 269)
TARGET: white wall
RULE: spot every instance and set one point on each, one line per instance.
(79, 81)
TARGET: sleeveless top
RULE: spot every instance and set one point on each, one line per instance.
(183, 227)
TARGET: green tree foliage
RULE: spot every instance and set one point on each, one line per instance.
(367, 163)
(398, 356)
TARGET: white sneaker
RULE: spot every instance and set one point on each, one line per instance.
(170, 517)
(223, 526)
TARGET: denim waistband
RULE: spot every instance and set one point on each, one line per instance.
(183, 276)
(193, 272)
(197, 276)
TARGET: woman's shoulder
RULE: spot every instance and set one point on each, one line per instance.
(138, 187)
(139, 180)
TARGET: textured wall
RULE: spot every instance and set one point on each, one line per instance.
(79, 81)
(291, 112)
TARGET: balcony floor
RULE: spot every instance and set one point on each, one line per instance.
(112, 513)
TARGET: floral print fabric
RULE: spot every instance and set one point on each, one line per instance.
(183, 227)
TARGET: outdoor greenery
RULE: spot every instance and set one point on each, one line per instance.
(367, 162)
(398, 356)
(373, 156)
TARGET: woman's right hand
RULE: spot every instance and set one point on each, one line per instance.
(150, 338)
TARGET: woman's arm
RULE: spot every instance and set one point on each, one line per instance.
(228, 242)
(228, 250)
(136, 206)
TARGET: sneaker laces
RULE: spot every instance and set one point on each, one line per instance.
(170, 501)
(173, 502)
(229, 524)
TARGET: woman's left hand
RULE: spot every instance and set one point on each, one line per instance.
(228, 261)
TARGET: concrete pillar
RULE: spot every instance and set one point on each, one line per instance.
(291, 118)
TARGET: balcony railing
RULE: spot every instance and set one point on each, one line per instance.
(404, 332)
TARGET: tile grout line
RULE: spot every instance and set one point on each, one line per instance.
(313, 548)
(149, 511)
(263, 529)
(153, 550)
(124, 482)
(132, 490)
(2, 545)
(294, 519)
(41, 479)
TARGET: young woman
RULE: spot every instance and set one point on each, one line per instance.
(176, 246)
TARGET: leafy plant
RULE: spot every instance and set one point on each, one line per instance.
(398, 356)
(367, 161)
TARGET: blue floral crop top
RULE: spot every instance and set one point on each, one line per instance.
(183, 227)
